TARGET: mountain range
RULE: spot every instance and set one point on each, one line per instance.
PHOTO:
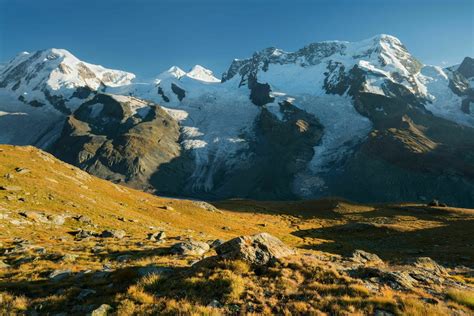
(366, 121)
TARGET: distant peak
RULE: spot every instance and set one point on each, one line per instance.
(386, 38)
(175, 71)
(198, 72)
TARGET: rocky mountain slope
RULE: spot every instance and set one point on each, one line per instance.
(363, 120)
(73, 243)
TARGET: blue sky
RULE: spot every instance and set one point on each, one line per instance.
(148, 36)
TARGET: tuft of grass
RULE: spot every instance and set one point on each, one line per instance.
(416, 307)
(462, 297)
(12, 305)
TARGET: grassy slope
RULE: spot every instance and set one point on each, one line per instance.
(396, 232)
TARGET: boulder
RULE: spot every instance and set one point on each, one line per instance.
(35, 216)
(113, 233)
(366, 258)
(259, 249)
(57, 219)
(158, 236)
(190, 248)
(82, 234)
(83, 219)
(206, 206)
(58, 275)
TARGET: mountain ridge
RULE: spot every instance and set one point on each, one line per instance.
(324, 116)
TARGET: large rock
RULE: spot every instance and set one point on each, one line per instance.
(259, 249)
(114, 233)
(366, 258)
(190, 248)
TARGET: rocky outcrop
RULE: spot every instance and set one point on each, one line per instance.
(119, 138)
(259, 249)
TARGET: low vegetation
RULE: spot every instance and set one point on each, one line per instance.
(54, 256)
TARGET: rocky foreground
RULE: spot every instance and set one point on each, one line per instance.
(72, 244)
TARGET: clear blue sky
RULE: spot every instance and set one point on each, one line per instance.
(146, 36)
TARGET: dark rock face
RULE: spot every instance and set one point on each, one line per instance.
(260, 93)
(467, 67)
(180, 93)
(105, 137)
(278, 149)
(459, 84)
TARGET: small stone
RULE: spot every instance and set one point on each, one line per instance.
(102, 310)
(3, 265)
(215, 304)
(22, 170)
(40, 250)
(227, 228)
(168, 208)
(124, 258)
(85, 293)
(10, 188)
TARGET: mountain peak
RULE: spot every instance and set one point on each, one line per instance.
(53, 76)
(200, 73)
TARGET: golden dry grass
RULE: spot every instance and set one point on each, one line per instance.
(54, 187)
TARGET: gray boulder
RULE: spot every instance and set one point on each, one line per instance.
(190, 248)
(259, 249)
(113, 233)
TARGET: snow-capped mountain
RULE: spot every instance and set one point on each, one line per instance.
(363, 120)
(56, 77)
